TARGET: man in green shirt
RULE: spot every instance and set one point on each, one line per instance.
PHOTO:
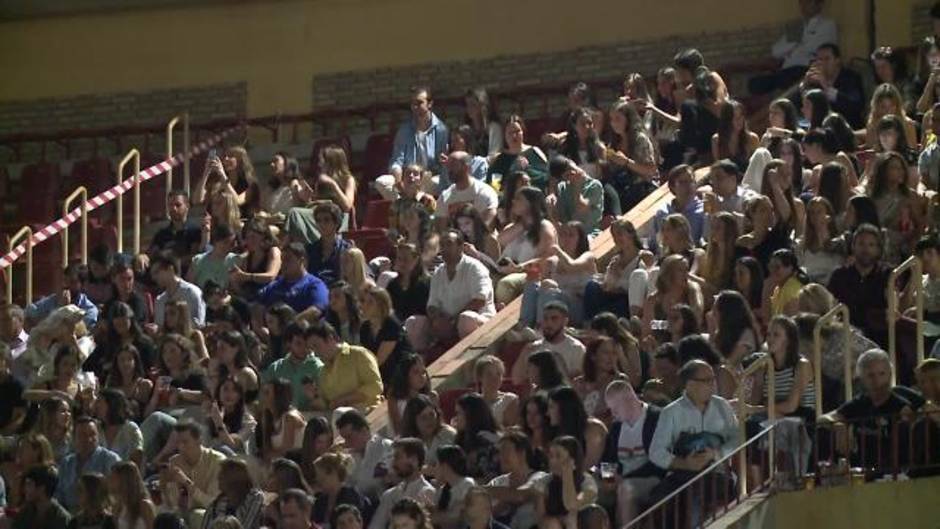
(580, 198)
(40, 509)
(300, 366)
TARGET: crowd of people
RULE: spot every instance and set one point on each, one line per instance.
(225, 378)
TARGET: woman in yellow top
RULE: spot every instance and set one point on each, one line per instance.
(785, 279)
(350, 375)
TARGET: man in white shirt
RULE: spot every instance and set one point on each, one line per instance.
(467, 190)
(371, 453)
(461, 296)
(407, 464)
(568, 351)
(797, 47)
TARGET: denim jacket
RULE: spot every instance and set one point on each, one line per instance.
(405, 151)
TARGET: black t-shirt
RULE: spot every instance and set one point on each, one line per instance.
(391, 331)
(183, 242)
(874, 427)
(410, 302)
(11, 395)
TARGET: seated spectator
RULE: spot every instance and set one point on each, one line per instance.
(332, 471)
(119, 433)
(344, 312)
(282, 425)
(821, 148)
(88, 456)
(323, 255)
(181, 237)
(13, 333)
(564, 275)
(733, 141)
(797, 47)
(527, 238)
(682, 185)
(422, 419)
(130, 503)
(194, 469)
(123, 290)
(231, 359)
(567, 488)
(318, 440)
(179, 383)
(543, 372)
(92, 510)
(460, 299)
(872, 414)
(513, 495)
(766, 235)
(408, 379)
(785, 278)
(568, 350)
(285, 187)
(842, 86)
(795, 394)
(672, 286)
(818, 250)
(631, 157)
(296, 508)
(411, 194)
(485, 136)
(382, 332)
(488, 373)
(777, 185)
(480, 242)
(65, 380)
(350, 375)
(222, 208)
(699, 115)
(535, 421)
(467, 190)
(518, 156)
(899, 207)
(726, 195)
(335, 184)
(421, 140)
(354, 270)
(63, 328)
(300, 366)
(613, 293)
(693, 432)
(891, 138)
(627, 448)
(231, 426)
(450, 473)
(299, 289)
(121, 330)
(477, 435)
(411, 287)
(408, 460)
(276, 319)
(76, 277)
(581, 144)
(928, 164)
(372, 453)
(285, 475)
(634, 362)
(580, 197)
(861, 285)
(346, 516)
(717, 265)
(177, 320)
(259, 265)
(238, 496)
(568, 416)
(11, 393)
(735, 334)
(40, 508)
(233, 173)
(477, 509)
(165, 273)
(604, 362)
(215, 264)
(461, 139)
(886, 100)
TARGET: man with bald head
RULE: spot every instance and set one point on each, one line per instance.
(467, 190)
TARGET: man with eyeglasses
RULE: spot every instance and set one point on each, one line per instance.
(694, 431)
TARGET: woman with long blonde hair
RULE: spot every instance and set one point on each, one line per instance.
(817, 251)
(132, 506)
(718, 264)
(232, 172)
(355, 270)
(886, 100)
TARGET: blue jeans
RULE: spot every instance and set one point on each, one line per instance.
(596, 300)
(534, 299)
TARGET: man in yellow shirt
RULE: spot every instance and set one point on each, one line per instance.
(350, 375)
(191, 480)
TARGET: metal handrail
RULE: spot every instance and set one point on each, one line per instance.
(80, 191)
(641, 519)
(169, 153)
(14, 240)
(840, 310)
(912, 263)
(764, 362)
(135, 155)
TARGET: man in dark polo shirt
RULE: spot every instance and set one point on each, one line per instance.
(179, 236)
(861, 285)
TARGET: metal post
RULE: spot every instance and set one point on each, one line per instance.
(169, 156)
(187, 145)
(28, 233)
(766, 362)
(135, 155)
(66, 206)
(912, 263)
(838, 311)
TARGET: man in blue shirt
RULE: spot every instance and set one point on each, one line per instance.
(87, 457)
(323, 255)
(76, 277)
(301, 290)
(420, 140)
(681, 183)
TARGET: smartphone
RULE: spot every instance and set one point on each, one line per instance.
(213, 154)
(659, 325)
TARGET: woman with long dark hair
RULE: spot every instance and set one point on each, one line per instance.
(480, 114)
(765, 234)
(411, 379)
(132, 506)
(260, 264)
(231, 425)
(530, 236)
(699, 119)
(231, 359)
(567, 416)
(635, 362)
(815, 107)
(735, 334)
(613, 293)
(718, 264)
(543, 372)
(749, 282)
(819, 250)
(282, 425)
(568, 487)
(604, 362)
(734, 141)
(631, 157)
(899, 208)
(411, 287)
(127, 375)
(318, 440)
(783, 118)
(122, 329)
(344, 312)
(582, 144)
(119, 433)
(231, 173)
(536, 423)
(477, 434)
(423, 419)
(481, 243)
(834, 188)
(285, 188)
(777, 185)
(786, 278)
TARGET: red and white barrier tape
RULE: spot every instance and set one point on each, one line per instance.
(107, 196)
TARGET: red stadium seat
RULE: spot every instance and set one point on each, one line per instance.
(376, 214)
(39, 185)
(377, 153)
(373, 242)
(96, 174)
(535, 128)
(448, 399)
